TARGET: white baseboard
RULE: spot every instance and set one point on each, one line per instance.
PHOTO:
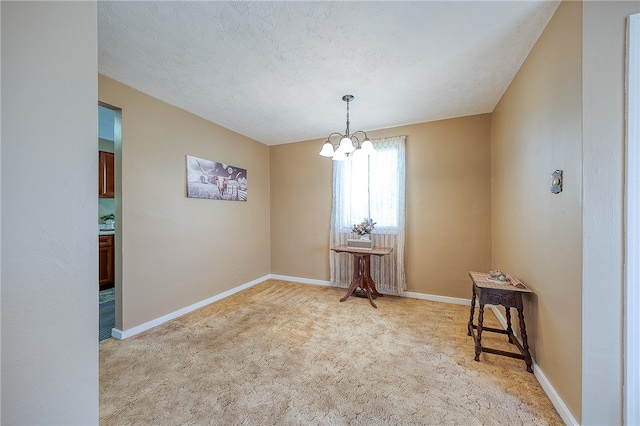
(437, 298)
(542, 379)
(300, 280)
(123, 334)
(432, 297)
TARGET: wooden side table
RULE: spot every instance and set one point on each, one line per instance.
(508, 295)
(362, 270)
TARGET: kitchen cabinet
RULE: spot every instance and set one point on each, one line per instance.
(107, 269)
(106, 175)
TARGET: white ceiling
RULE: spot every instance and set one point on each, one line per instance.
(276, 71)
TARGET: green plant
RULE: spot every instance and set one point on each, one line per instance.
(109, 216)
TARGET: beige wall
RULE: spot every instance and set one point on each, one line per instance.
(177, 250)
(537, 235)
(448, 205)
(301, 193)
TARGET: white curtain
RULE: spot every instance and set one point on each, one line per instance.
(372, 187)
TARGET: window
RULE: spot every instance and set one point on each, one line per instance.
(370, 189)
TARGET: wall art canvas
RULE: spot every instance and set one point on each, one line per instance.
(216, 181)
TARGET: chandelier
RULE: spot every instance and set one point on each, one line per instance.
(349, 142)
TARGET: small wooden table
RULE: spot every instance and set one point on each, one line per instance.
(362, 270)
(497, 293)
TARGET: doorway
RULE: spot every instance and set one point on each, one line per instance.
(109, 188)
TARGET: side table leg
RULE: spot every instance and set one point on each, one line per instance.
(369, 294)
(367, 276)
(369, 285)
(507, 311)
(354, 285)
(374, 290)
(479, 341)
(357, 278)
(473, 311)
(525, 344)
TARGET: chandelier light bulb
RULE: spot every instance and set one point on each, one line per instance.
(358, 153)
(327, 149)
(346, 145)
(339, 155)
(367, 147)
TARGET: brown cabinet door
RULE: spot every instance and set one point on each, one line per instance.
(106, 175)
(106, 263)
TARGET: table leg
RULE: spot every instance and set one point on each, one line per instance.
(369, 296)
(369, 285)
(367, 276)
(479, 341)
(354, 285)
(372, 285)
(509, 329)
(525, 344)
(357, 278)
(473, 311)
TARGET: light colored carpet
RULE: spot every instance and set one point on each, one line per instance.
(282, 353)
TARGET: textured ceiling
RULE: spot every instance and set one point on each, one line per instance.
(276, 71)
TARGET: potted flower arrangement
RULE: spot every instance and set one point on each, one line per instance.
(364, 228)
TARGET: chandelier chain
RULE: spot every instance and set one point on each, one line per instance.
(346, 135)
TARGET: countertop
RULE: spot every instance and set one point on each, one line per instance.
(106, 231)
